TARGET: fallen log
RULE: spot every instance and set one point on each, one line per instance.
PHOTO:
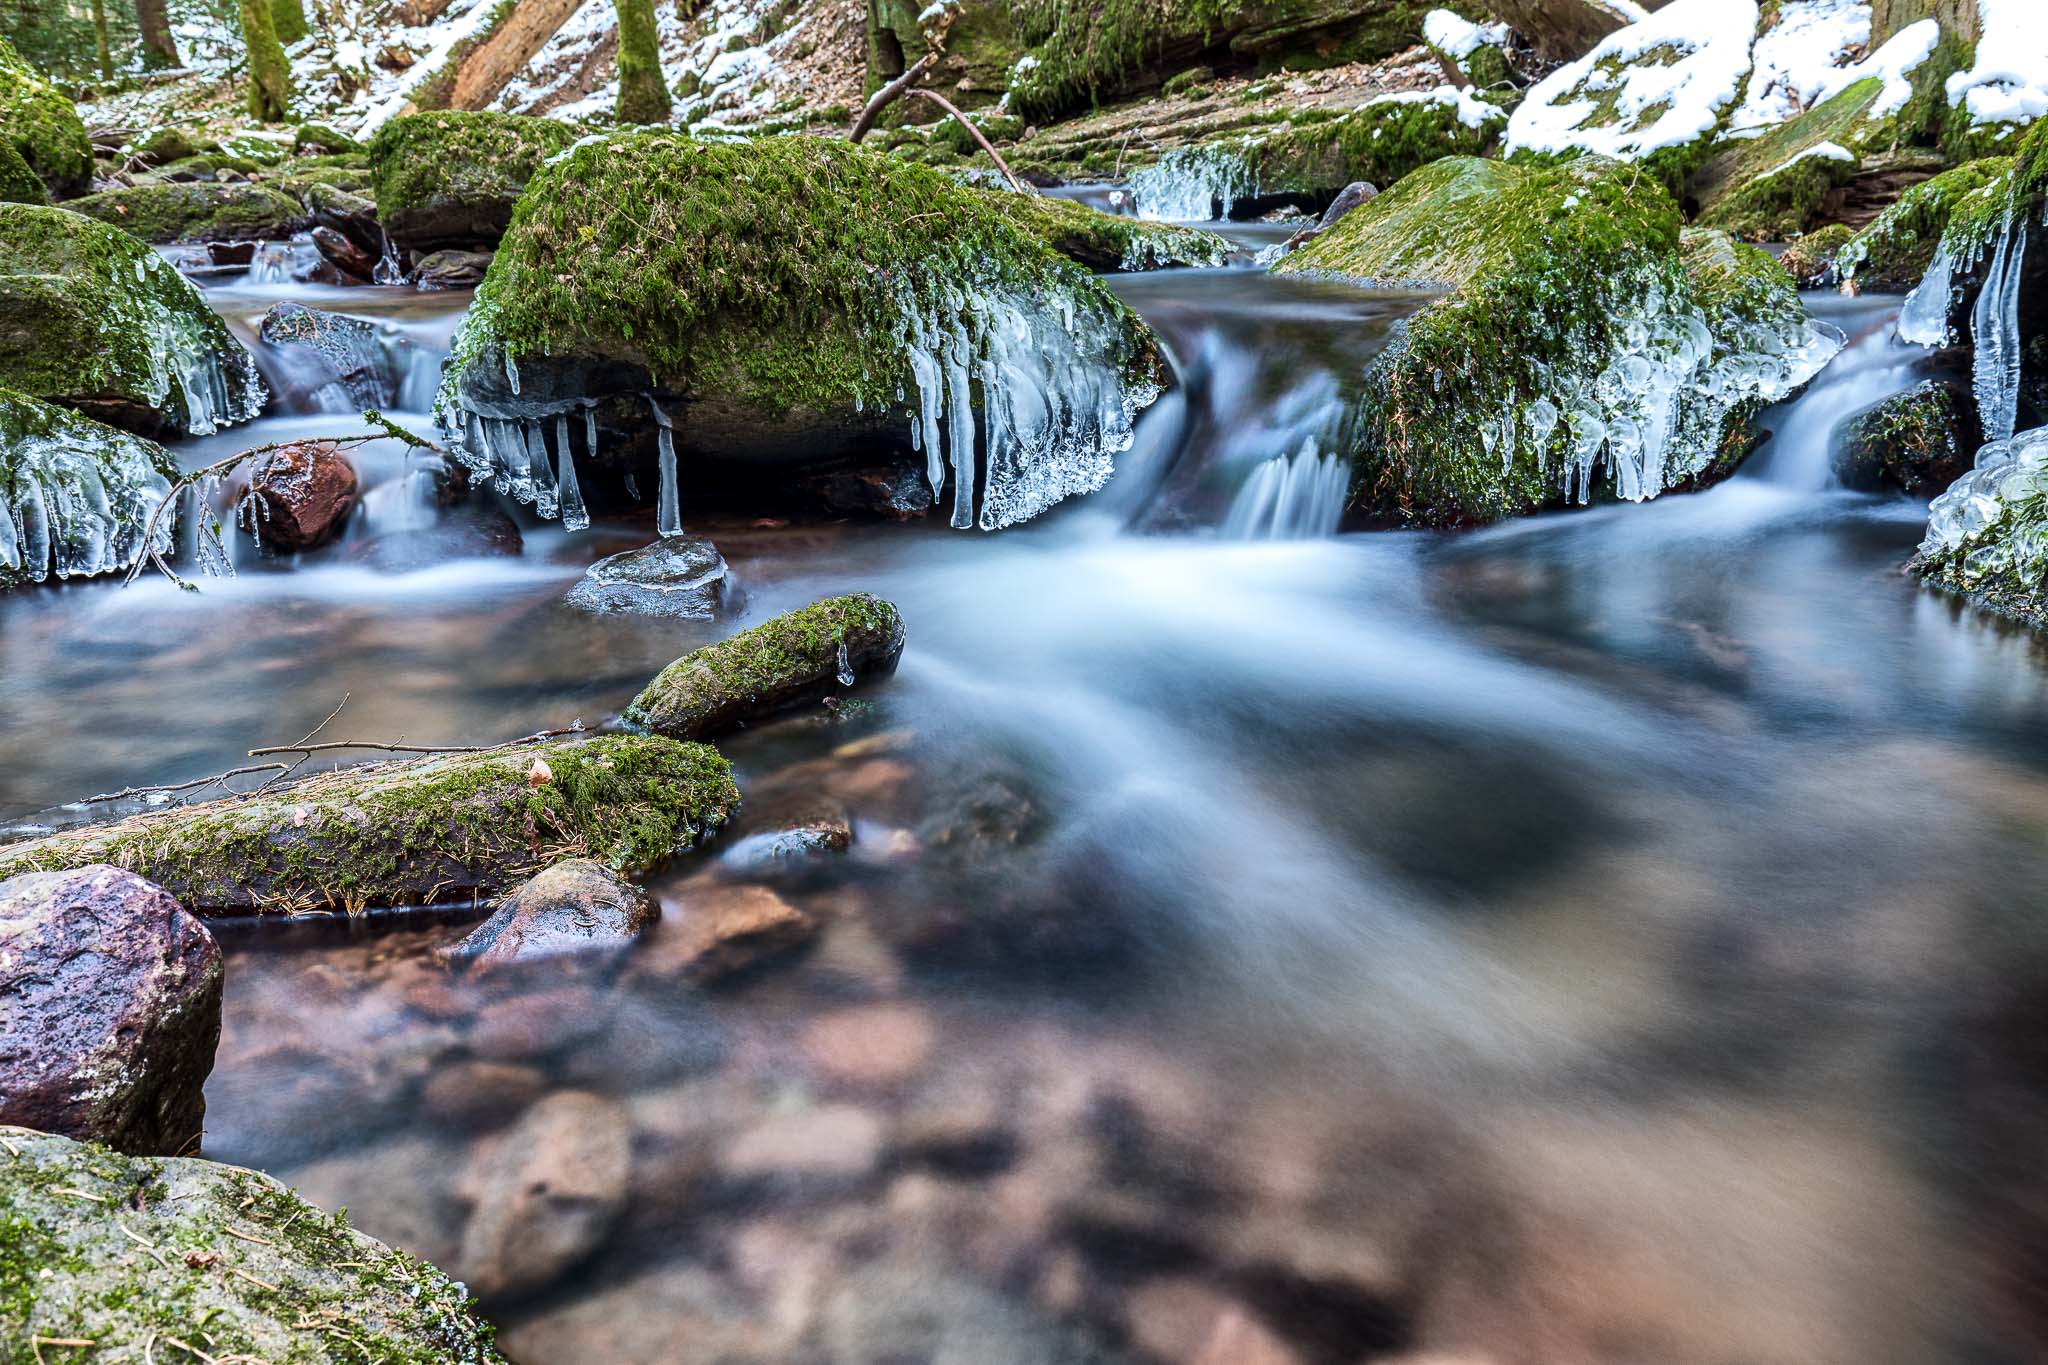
(451, 827)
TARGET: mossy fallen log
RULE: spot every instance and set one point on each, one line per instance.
(799, 656)
(444, 828)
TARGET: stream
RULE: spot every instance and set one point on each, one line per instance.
(1604, 937)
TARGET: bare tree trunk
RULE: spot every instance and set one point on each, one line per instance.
(270, 78)
(643, 95)
(159, 49)
(99, 28)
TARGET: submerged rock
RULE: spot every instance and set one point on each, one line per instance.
(1914, 441)
(300, 496)
(814, 302)
(446, 828)
(450, 178)
(92, 319)
(44, 127)
(716, 931)
(109, 1010)
(78, 1219)
(1583, 340)
(75, 496)
(546, 1192)
(797, 657)
(576, 906)
(676, 576)
(346, 362)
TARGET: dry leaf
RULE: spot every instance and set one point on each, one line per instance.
(540, 774)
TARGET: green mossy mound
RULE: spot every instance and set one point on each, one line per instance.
(44, 127)
(166, 145)
(451, 178)
(1577, 323)
(1892, 253)
(1109, 242)
(137, 1255)
(797, 657)
(198, 212)
(1381, 142)
(447, 828)
(19, 184)
(1773, 186)
(1987, 535)
(1919, 441)
(91, 488)
(92, 319)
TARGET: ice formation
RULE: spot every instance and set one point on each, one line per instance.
(74, 499)
(1661, 82)
(196, 373)
(1992, 523)
(1194, 183)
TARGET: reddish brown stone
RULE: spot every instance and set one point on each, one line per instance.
(109, 1010)
(301, 496)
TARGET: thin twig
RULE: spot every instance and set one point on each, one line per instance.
(887, 94)
(974, 131)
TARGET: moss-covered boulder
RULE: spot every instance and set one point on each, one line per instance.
(1475, 54)
(450, 178)
(797, 657)
(168, 1257)
(75, 496)
(1987, 535)
(1893, 252)
(201, 211)
(788, 300)
(44, 127)
(92, 319)
(1810, 261)
(452, 827)
(1109, 242)
(1657, 91)
(1917, 441)
(18, 183)
(1583, 345)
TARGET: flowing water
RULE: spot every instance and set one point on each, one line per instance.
(1611, 936)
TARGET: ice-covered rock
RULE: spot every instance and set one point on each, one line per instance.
(676, 576)
(1893, 251)
(1108, 242)
(1988, 534)
(1584, 345)
(75, 496)
(802, 302)
(93, 319)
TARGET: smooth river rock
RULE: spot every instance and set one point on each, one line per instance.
(546, 1191)
(576, 906)
(109, 1010)
(300, 496)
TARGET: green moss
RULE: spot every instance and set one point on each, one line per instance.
(19, 184)
(44, 127)
(1772, 186)
(320, 139)
(450, 827)
(1811, 260)
(197, 212)
(91, 318)
(131, 1253)
(643, 97)
(1917, 441)
(1106, 241)
(1380, 142)
(166, 145)
(1894, 251)
(451, 164)
(796, 655)
(269, 81)
(771, 275)
(1547, 271)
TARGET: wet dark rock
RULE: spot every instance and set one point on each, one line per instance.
(230, 253)
(345, 352)
(449, 178)
(576, 906)
(799, 656)
(1919, 441)
(109, 1010)
(683, 577)
(343, 254)
(1350, 197)
(451, 269)
(481, 532)
(898, 492)
(719, 931)
(300, 496)
(89, 1213)
(793, 853)
(546, 1192)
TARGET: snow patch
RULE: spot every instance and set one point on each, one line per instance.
(2008, 81)
(1457, 37)
(1472, 112)
(1826, 151)
(1794, 62)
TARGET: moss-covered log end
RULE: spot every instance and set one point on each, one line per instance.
(796, 657)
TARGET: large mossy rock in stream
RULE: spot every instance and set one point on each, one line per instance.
(797, 657)
(1584, 345)
(210, 211)
(94, 320)
(450, 178)
(1917, 441)
(148, 1257)
(446, 828)
(1987, 535)
(75, 496)
(786, 302)
(109, 1010)
(43, 126)
(1892, 253)
(1109, 242)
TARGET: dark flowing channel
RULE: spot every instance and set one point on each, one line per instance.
(1607, 937)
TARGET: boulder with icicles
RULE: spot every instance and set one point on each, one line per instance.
(75, 496)
(667, 312)
(1584, 347)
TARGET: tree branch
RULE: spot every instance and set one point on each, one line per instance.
(887, 94)
(975, 132)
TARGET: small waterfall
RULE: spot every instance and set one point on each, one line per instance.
(1291, 497)
(1869, 369)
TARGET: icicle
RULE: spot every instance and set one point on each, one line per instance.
(668, 515)
(538, 470)
(845, 667)
(568, 496)
(1995, 327)
(1923, 320)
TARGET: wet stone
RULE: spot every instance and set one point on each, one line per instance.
(718, 931)
(300, 497)
(546, 1192)
(576, 906)
(680, 577)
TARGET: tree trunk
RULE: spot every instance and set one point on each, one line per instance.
(99, 29)
(289, 18)
(270, 77)
(643, 96)
(1560, 30)
(159, 49)
(1958, 18)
